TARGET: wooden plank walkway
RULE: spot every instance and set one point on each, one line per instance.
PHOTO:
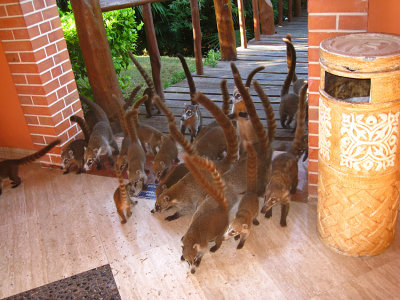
(270, 52)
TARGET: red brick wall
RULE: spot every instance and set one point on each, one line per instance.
(38, 60)
(326, 18)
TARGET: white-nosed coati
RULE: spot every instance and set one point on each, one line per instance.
(297, 82)
(75, 151)
(9, 167)
(101, 138)
(191, 119)
(122, 199)
(136, 155)
(247, 212)
(172, 177)
(289, 102)
(284, 177)
(186, 192)
(150, 92)
(168, 154)
(211, 218)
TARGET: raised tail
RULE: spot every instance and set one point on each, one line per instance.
(251, 75)
(225, 97)
(121, 114)
(122, 189)
(289, 77)
(269, 111)
(81, 122)
(226, 125)
(131, 119)
(295, 148)
(100, 114)
(289, 56)
(132, 96)
(173, 129)
(251, 168)
(36, 155)
(145, 76)
(192, 86)
(215, 189)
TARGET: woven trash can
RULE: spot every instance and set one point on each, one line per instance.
(359, 110)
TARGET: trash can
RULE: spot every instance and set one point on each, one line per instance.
(358, 158)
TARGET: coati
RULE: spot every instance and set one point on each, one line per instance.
(75, 151)
(121, 198)
(186, 192)
(136, 156)
(247, 212)
(172, 177)
(9, 167)
(289, 102)
(191, 119)
(128, 102)
(168, 154)
(101, 139)
(297, 82)
(150, 92)
(211, 218)
(284, 177)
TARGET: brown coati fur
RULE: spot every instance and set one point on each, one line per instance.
(284, 177)
(297, 82)
(211, 218)
(225, 96)
(101, 138)
(289, 102)
(9, 167)
(136, 156)
(149, 103)
(247, 212)
(121, 198)
(167, 154)
(129, 101)
(75, 151)
(171, 178)
(186, 192)
(191, 84)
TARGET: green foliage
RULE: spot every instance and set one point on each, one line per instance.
(212, 58)
(122, 31)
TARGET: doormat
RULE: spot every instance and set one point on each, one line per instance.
(97, 283)
(150, 193)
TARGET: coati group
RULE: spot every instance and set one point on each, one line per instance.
(216, 179)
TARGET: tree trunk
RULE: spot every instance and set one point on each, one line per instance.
(194, 7)
(226, 33)
(242, 24)
(266, 16)
(256, 20)
(96, 54)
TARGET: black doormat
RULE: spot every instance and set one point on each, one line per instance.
(97, 283)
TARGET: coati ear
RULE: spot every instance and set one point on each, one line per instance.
(166, 198)
(138, 172)
(245, 226)
(162, 163)
(71, 153)
(197, 247)
(163, 188)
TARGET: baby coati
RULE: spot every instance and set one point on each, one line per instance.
(9, 167)
(75, 151)
(289, 102)
(121, 198)
(297, 82)
(172, 177)
(186, 192)
(191, 119)
(150, 92)
(284, 177)
(165, 157)
(247, 212)
(136, 155)
(211, 218)
(101, 138)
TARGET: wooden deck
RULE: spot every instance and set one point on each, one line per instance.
(270, 52)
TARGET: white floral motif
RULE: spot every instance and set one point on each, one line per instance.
(368, 141)
(325, 127)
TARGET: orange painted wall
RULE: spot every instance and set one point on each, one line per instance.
(383, 16)
(13, 129)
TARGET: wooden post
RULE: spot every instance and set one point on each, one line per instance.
(96, 54)
(226, 32)
(297, 8)
(267, 23)
(194, 7)
(290, 10)
(242, 25)
(280, 12)
(255, 20)
(152, 45)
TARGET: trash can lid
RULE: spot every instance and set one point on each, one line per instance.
(363, 45)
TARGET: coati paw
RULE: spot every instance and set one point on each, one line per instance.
(256, 222)
(240, 245)
(237, 237)
(293, 190)
(172, 217)
(214, 248)
(123, 221)
(177, 160)
(268, 213)
(65, 172)
(182, 258)
(283, 223)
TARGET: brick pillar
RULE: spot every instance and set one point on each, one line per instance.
(326, 19)
(34, 45)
